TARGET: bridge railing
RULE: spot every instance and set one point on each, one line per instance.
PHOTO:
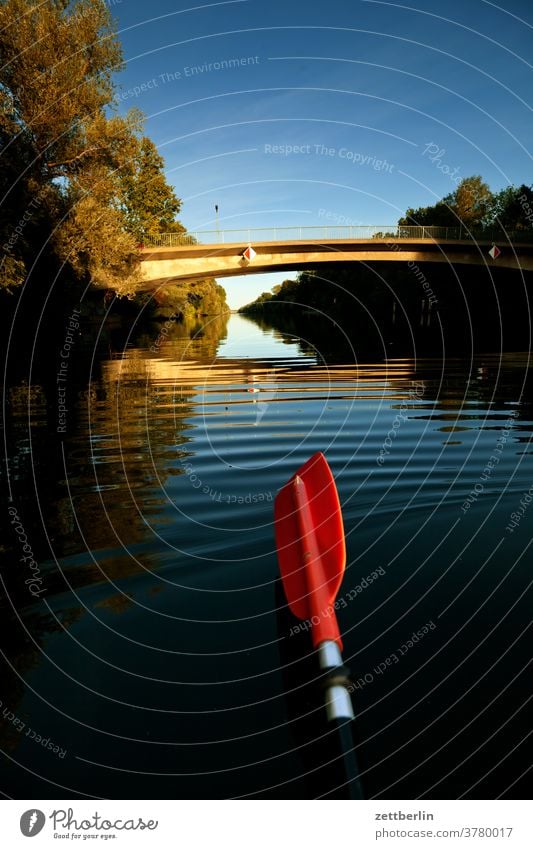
(384, 232)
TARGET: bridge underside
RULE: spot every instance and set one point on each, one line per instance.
(164, 265)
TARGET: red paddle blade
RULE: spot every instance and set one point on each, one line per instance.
(310, 540)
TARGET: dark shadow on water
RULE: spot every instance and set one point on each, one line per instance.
(389, 312)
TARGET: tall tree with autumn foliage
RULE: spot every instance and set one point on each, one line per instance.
(149, 202)
(55, 83)
(77, 180)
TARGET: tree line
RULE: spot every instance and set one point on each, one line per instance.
(474, 206)
(81, 185)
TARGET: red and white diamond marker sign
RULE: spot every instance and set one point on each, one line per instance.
(495, 252)
(249, 253)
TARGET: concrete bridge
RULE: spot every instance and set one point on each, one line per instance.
(171, 256)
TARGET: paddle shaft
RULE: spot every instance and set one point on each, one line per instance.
(340, 713)
(351, 768)
(326, 636)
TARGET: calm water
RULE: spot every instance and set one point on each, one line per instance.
(158, 655)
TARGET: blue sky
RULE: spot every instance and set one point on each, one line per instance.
(350, 110)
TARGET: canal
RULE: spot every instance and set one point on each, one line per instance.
(147, 650)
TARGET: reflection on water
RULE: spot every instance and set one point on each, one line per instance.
(160, 652)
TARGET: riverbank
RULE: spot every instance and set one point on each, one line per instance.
(395, 309)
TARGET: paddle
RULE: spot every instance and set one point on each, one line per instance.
(312, 556)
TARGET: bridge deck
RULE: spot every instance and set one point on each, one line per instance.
(267, 247)
(162, 264)
(327, 233)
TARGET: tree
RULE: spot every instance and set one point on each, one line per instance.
(56, 78)
(149, 202)
(92, 237)
(471, 202)
(60, 151)
(439, 215)
(513, 208)
(190, 299)
(288, 289)
(98, 183)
